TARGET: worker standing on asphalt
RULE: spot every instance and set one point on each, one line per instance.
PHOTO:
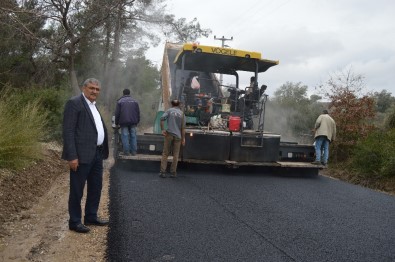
(174, 137)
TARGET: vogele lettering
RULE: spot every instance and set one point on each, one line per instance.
(221, 51)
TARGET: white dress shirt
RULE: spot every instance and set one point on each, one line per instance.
(98, 122)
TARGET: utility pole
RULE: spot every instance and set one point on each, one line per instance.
(223, 39)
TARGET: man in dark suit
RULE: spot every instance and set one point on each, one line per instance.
(85, 145)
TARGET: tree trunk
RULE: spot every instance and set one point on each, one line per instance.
(107, 63)
(110, 93)
(73, 76)
(74, 82)
(106, 51)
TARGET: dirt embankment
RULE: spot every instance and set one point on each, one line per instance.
(33, 214)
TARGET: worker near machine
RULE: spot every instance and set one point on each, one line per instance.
(174, 137)
(249, 93)
(127, 116)
(191, 88)
(85, 145)
(325, 132)
(250, 88)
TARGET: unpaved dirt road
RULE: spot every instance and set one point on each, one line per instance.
(34, 226)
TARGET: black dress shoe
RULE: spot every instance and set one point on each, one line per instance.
(96, 222)
(80, 228)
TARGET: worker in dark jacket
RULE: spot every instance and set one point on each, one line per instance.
(127, 116)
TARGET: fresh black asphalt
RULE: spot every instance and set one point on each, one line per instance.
(219, 215)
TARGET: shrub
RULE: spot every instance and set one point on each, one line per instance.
(50, 101)
(21, 129)
(374, 156)
(390, 121)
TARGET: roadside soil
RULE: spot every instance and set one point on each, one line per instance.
(34, 217)
(33, 212)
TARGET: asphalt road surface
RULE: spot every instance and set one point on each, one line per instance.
(211, 215)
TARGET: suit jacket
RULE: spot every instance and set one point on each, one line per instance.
(79, 132)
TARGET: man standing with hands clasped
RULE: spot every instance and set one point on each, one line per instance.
(174, 136)
(85, 145)
(325, 132)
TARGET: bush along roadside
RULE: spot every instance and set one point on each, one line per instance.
(24, 123)
(374, 156)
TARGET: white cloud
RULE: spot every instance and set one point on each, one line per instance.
(310, 38)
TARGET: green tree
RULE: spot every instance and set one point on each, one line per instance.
(384, 100)
(180, 30)
(71, 24)
(374, 156)
(390, 121)
(291, 94)
(22, 61)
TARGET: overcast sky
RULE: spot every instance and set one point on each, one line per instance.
(311, 38)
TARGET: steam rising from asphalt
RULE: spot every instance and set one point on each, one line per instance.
(276, 122)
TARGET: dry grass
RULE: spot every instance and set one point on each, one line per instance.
(383, 184)
(21, 128)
